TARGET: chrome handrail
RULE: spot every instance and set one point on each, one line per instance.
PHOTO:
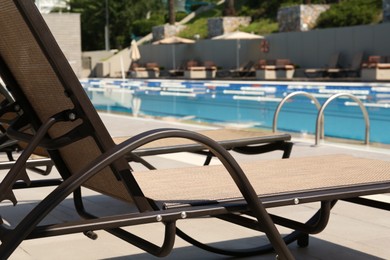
(320, 116)
(279, 107)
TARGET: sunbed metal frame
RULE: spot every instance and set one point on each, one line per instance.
(72, 125)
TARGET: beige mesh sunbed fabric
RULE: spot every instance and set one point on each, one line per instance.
(268, 177)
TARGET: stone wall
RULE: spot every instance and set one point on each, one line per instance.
(386, 10)
(67, 32)
(165, 31)
(299, 18)
(289, 18)
(222, 25)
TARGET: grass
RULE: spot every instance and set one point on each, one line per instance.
(261, 27)
(199, 25)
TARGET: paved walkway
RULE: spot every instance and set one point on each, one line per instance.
(354, 232)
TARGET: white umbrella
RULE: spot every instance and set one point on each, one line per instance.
(238, 35)
(134, 51)
(134, 56)
(173, 41)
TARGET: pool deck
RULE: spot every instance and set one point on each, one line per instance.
(353, 232)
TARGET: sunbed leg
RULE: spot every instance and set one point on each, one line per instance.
(286, 147)
(208, 159)
(263, 249)
(164, 250)
(287, 150)
(303, 240)
(10, 156)
(40, 171)
(275, 238)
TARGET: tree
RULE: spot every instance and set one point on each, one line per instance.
(229, 9)
(171, 12)
(352, 12)
(123, 14)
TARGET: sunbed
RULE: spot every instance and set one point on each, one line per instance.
(275, 69)
(322, 72)
(377, 68)
(150, 70)
(7, 145)
(195, 70)
(67, 125)
(9, 112)
(246, 70)
(353, 69)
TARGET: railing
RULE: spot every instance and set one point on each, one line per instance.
(286, 98)
(320, 117)
(319, 133)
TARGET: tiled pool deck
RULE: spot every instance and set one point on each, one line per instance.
(354, 232)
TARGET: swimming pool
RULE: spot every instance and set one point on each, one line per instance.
(250, 103)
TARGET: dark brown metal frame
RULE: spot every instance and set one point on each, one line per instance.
(11, 239)
(113, 156)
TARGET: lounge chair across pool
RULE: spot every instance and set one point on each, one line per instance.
(66, 124)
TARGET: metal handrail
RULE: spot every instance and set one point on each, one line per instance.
(276, 114)
(320, 116)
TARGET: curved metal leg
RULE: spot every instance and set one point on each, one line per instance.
(301, 238)
(160, 251)
(267, 248)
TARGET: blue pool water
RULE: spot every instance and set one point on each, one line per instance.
(251, 103)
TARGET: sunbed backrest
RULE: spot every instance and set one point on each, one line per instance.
(334, 60)
(357, 60)
(43, 83)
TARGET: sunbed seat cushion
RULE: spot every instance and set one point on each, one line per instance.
(293, 176)
(383, 66)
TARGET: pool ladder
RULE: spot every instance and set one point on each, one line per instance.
(319, 134)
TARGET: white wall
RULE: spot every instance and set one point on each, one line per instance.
(67, 32)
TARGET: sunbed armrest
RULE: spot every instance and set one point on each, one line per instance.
(18, 129)
(9, 108)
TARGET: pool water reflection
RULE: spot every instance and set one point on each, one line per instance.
(251, 103)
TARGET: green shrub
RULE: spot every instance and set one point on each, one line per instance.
(120, 42)
(197, 27)
(144, 26)
(180, 16)
(262, 27)
(352, 12)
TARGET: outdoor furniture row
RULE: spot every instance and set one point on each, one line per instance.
(274, 69)
(193, 69)
(376, 68)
